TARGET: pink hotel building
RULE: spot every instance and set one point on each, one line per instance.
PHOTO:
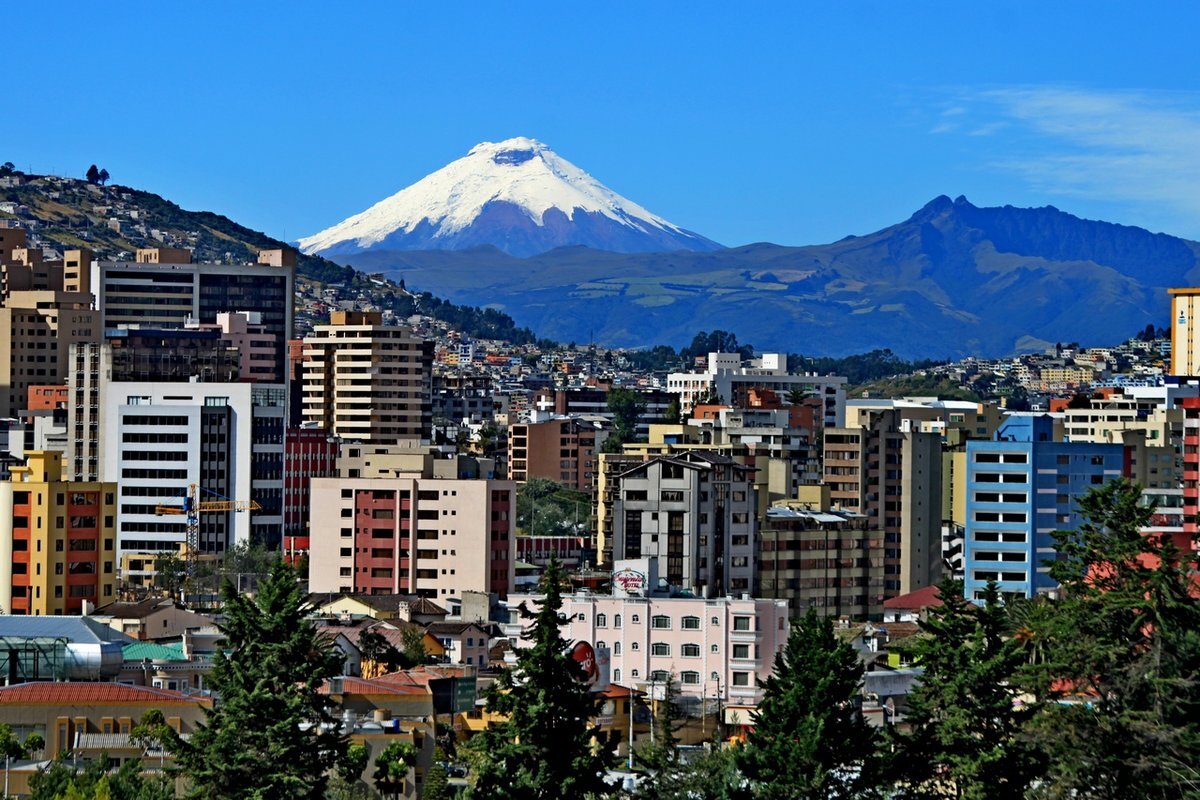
(714, 648)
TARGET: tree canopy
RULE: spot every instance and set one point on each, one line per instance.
(272, 735)
(544, 747)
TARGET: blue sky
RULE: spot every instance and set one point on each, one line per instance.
(794, 123)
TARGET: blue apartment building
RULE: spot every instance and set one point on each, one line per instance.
(1021, 487)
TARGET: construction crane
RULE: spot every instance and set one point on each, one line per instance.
(193, 507)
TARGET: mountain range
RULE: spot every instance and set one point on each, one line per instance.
(950, 281)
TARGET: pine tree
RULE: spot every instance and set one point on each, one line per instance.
(545, 747)
(809, 738)
(264, 738)
(965, 733)
(1121, 678)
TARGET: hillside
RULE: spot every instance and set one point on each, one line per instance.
(952, 280)
(114, 221)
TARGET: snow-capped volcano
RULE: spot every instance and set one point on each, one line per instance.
(518, 195)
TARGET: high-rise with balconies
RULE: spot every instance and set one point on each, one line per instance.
(368, 382)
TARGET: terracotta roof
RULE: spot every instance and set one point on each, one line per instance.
(84, 693)
(364, 686)
(616, 690)
(426, 607)
(921, 598)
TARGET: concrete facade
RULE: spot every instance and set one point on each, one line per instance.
(432, 537)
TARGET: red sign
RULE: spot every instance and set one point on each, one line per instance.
(586, 656)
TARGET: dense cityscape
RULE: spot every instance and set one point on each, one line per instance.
(357, 444)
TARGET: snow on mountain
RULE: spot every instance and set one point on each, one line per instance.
(518, 195)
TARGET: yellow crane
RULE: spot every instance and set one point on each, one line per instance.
(193, 507)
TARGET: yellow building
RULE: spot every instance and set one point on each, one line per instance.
(1185, 332)
(57, 540)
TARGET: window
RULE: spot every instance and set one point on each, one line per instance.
(616, 648)
(690, 650)
(616, 675)
(741, 679)
(690, 623)
(602, 620)
(741, 623)
(716, 620)
(633, 646)
(660, 649)
(634, 673)
(741, 651)
(616, 620)
(659, 676)
(660, 621)
(689, 678)
(635, 619)
(716, 648)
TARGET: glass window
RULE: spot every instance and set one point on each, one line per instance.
(741, 679)
(689, 678)
(602, 620)
(741, 623)
(660, 649)
(616, 620)
(690, 650)
(690, 623)
(660, 621)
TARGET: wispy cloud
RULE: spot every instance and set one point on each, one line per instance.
(1122, 146)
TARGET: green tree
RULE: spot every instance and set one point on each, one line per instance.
(93, 174)
(375, 647)
(544, 748)
(272, 735)
(412, 641)
(626, 406)
(965, 739)
(674, 412)
(1121, 672)
(95, 781)
(152, 732)
(712, 776)
(392, 767)
(102, 177)
(169, 573)
(809, 738)
(437, 780)
(348, 783)
(10, 749)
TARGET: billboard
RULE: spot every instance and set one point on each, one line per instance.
(595, 662)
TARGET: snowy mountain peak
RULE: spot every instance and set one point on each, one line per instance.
(518, 195)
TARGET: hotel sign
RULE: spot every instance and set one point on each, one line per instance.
(629, 581)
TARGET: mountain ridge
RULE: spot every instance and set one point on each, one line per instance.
(951, 280)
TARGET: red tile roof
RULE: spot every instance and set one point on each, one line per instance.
(921, 598)
(85, 693)
(364, 686)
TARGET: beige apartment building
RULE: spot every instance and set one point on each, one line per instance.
(433, 537)
(368, 382)
(563, 449)
(893, 475)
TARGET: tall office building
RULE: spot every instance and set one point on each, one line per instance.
(892, 474)
(1021, 487)
(156, 410)
(368, 382)
(164, 289)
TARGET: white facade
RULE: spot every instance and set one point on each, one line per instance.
(726, 375)
(156, 439)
